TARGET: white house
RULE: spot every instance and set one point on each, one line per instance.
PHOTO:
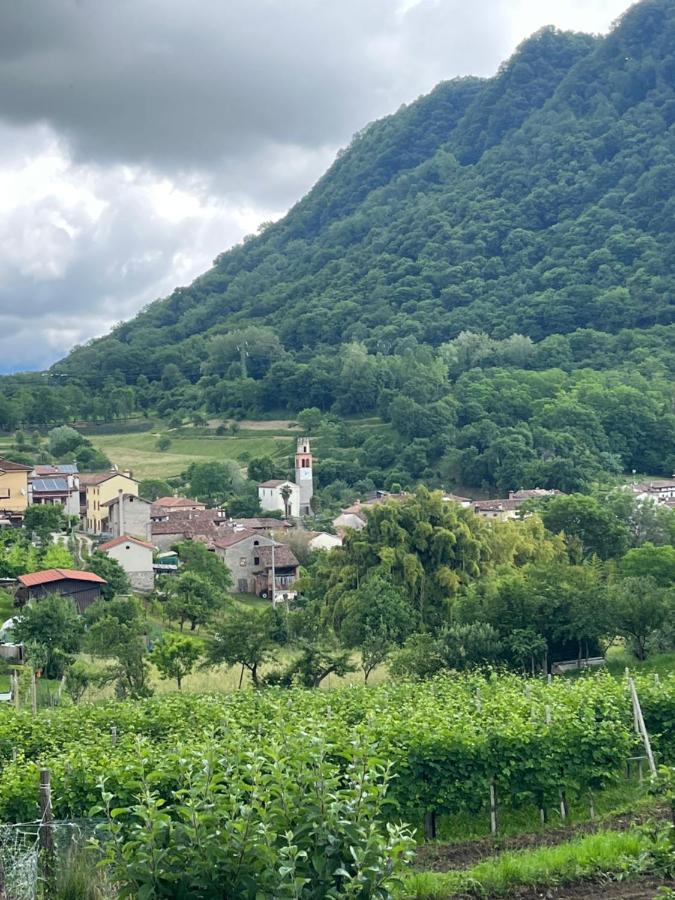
(321, 540)
(135, 557)
(271, 496)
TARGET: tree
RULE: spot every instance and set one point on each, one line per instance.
(261, 468)
(56, 556)
(153, 488)
(175, 657)
(197, 558)
(310, 419)
(117, 580)
(638, 608)
(192, 599)
(213, 482)
(317, 660)
(377, 618)
(286, 494)
(64, 440)
(44, 518)
(583, 519)
(53, 626)
(163, 443)
(117, 632)
(649, 561)
(244, 638)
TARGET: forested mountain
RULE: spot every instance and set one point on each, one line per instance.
(534, 210)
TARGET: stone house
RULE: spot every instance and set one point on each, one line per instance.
(321, 540)
(135, 557)
(248, 556)
(129, 514)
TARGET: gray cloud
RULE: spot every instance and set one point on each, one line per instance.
(139, 138)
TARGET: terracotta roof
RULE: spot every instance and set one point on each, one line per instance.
(60, 469)
(99, 477)
(533, 493)
(49, 575)
(229, 538)
(6, 465)
(262, 522)
(356, 507)
(283, 557)
(498, 505)
(178, 503)
(125, 539)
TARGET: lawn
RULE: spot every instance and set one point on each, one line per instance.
(138, 452)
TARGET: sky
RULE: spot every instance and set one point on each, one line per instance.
(140, 138)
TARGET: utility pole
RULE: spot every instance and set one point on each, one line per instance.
(273, 577)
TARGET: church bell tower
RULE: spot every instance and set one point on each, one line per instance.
(303, 475)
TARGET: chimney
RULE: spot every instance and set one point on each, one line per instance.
(120, 505)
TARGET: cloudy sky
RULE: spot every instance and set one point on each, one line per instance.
(139, 138)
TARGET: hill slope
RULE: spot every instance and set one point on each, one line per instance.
(519, 203)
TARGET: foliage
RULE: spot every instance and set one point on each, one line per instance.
(317, 660)
(53, 627)
(44, 518)
(245, 638)
(281, 821)
(113, 573)
(63, 440)
(640, 607)
(175, 657)
(117, 632)
(214, 482)
(192, 598)
(154, 488)
(589, 527)
(195, 557)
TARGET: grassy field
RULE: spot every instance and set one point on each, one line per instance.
(139, 453)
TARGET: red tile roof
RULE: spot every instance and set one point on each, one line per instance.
(125, 539)
(48, 575)
(6, 465)
(284, 557)
(229, 538)
(178, 503)
(95, 478)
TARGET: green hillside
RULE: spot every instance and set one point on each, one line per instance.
(534, 210)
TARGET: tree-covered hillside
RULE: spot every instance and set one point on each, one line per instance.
(534, 210)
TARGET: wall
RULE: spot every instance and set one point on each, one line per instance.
(240, 560)
(271, 499)
(98, 494)
(14, 491)
(136, 562)
(136, 517)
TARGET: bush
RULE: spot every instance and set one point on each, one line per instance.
(282, 820)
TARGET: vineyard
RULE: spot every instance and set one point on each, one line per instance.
(447, 741)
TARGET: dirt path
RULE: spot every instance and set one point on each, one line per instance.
(443, 857)
(638, 889)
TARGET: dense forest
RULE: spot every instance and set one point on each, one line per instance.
(490, 270)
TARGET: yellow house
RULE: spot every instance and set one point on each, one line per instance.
(13, 486)
(98, 490)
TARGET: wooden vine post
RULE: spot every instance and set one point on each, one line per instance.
(46, 832)
(641, 728)
(494, 822)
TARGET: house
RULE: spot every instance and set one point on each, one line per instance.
(464, 502)
(355, 517)
(83, 587)
(135, 557)
(507, 507)
(321, 540)
(534, 494)
(13, 488)
(95, 491)
(262, 525)
(658, 491)
(279, 495)
(56, 484)
(251, 557)
(167, 505)
(175, 527)
(129, 514)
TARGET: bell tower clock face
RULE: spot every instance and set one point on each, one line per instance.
(305, 474)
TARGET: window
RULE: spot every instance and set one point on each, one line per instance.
(256, 560)
(242, 560)
(127, 547)
(255, 543)
(5, 494)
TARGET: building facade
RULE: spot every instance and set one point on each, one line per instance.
(96, 491)
(282, 496)
(56, 484)
(304, 477)
(83, 588)
(13, 486)
(135, 557)
(129, 514)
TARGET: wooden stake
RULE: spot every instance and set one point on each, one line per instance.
(642, 728)
(430, 825)
(542, 815)
(591, 807)
(563, 806)
(33, 692)
(493, 809)
(46, 832)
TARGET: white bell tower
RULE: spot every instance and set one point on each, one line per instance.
(303, 475)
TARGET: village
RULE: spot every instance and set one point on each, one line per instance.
(107, 513)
